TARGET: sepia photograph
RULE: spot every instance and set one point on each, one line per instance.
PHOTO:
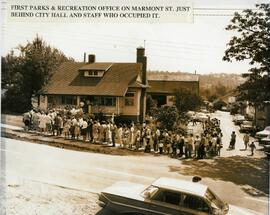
(135, 108)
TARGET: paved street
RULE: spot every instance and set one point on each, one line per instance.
(227, 126)
(54, 173)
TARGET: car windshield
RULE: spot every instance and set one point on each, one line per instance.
(213, 199)
(149, 191)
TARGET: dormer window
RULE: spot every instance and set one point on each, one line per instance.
(95, 70)
(93, 73)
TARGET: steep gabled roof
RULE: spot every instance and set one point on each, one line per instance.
(96, 66)
(69, 80)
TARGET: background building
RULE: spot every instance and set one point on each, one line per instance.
(164, 84)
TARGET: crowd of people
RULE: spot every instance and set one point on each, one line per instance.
(71, 123)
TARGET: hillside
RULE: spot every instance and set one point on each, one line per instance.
(228, 80)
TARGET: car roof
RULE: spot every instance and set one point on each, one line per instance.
(194, 188)
(267, 128)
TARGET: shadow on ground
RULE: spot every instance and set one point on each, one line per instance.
(240, 170)
(104, 211)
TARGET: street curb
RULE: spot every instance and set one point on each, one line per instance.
(68, 144)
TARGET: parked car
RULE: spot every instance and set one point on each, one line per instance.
(190, 114)
(235, 117)
(247, 126)
(266, 149)
(262, 134)
(225, 108)
(266, 140)
(201, 117)
(166, 196)
(239, 119)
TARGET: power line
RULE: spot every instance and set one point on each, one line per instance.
(210, 8)
(213, 14)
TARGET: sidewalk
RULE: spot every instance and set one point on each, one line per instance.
(15, 132)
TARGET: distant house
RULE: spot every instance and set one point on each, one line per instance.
(112, 88)
(164, 84)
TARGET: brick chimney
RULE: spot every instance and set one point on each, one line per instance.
(143, 60)
(91, 58)
(84, 57)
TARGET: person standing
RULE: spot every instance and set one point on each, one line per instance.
(114, 129)
(95, 131)
(196, 146)
(48, 123)
(174, 144)
(125, 136)
(189, 145)
(156, 136)
(201, 151)
(147, 139)
(131, 136)
(72, 127)
(246, 140)
(138, 138)
(166, 140)
(66, 130)
(77, 128)
(252, 147)
(35, 119)
(160, 143)
(219, 143)
(27, 120)
(181, 145)
(84, 126)
(56, 126)
(233, 140)
(120, 135)
(90, 130)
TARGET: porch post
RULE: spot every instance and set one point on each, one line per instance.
(78, 101)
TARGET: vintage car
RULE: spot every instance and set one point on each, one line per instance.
(262, 134)
(166, 196)
(266, 140)
(266, 149)
(247, 126)
(238, 119)
(201, 117)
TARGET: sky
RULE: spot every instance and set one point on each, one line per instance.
(197, 46)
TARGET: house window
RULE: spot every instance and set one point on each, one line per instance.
(129, 99)
(104, 101)
(69, 100)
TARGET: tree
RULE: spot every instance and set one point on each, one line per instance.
(251, 43)
(151, 105)
(186, 100)
(221, 90)
(27, 73)
(168, 116)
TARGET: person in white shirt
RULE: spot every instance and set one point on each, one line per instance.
(120, 135)
(84, 126)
